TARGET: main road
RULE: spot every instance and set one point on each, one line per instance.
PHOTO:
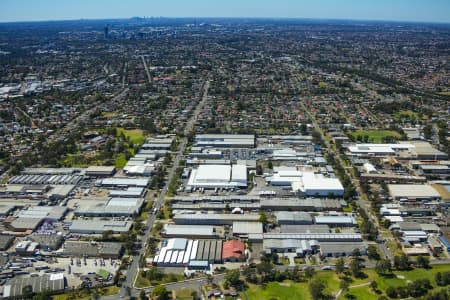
(133, 269)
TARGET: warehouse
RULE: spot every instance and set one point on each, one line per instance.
(380, 150)
(49, 283)
(98, 226)
(44, 213)
(183, 231)
(341, 249)
(335, 221)
(413, 192)
(47, 242)
(45, 179)
(300, 247)
(213, 219)
(115, 207)
(184, 252)
(91, 249)
(233, 251)
(100, 171)
(305, 229)
(243, 229)
(321, 237)
(225, 140)
(130, 192)
(5, 210)
(309, 204)
(6, 241)
(51, 171)
(124, 182)
(292, 218)
(218, 176)
(25, 224)
(312, 184)
(58, 192)
(306, 183)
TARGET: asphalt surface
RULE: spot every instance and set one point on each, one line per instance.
(133, 269)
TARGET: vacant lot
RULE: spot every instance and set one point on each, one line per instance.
(374, 136)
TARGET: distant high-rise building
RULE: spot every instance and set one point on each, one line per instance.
(106, 32)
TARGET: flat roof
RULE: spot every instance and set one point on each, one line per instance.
(412, 191)
(335, 220)
(99, 225)
(247, 227)
(192, 230)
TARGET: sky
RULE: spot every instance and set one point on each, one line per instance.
(394, 10)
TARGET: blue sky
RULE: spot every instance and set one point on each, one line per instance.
(398, 10)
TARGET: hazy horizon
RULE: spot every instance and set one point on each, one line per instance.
(434, 11)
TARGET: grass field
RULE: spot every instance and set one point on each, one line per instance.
(400, 278)
(81, 294)
(406, 115)
(374, 136)
(135, 135)
(361, 290)
(286, 290)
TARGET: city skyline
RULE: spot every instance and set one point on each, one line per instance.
(384, 10)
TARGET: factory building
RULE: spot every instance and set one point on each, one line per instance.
(413, 192)
(213, 219)
(218, 176)
(225, 140)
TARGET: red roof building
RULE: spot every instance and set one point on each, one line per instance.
(233, 250)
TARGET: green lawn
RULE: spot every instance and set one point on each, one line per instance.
(135, 135)
(81, 294)
(292, 290)
(406, 115)
(374, 136)
(287, 290)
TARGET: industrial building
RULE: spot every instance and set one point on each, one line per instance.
(243, 229)
(45, 213)
(335, 221)
(292, 218)
(300, 247)
(380, 150)
(320, 237)
(184, 231)
(413, 192)
(341, 249)
(233, 251)
(100, 171)
(306, 182)
(124, 182)
(114, 207)
(191, 253)
(46, 283)
(218, 176)
(305, 228)
(213, 219)
(98, 226)
(225, 140)
(91, 249)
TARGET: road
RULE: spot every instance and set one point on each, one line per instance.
(361, 200)
(133, 269)
(146, 69)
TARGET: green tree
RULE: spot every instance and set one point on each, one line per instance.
(160, 291)
(309, 272)
(383, 267)
(232, 277)
(316, 288)
(340, 265)
(423, 262)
